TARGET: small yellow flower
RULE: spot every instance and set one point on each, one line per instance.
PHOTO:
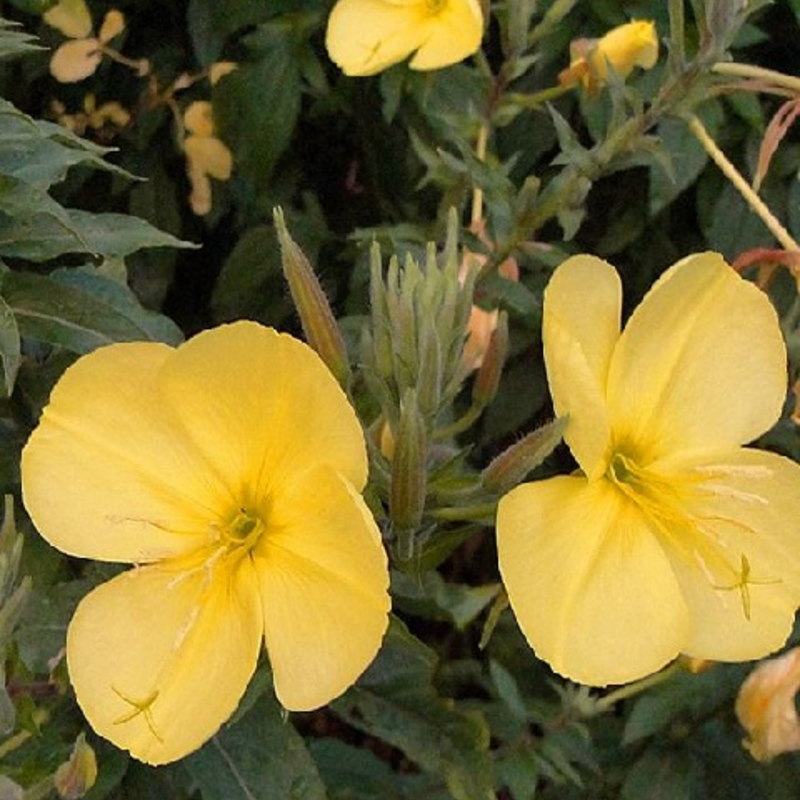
(228, 471)
(367, 36)
(672, 538)
(206, 155)
(79, 58)
(766, 707)
(634, 44)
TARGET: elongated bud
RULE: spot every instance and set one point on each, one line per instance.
(409, 476)
(488, 378)
(512, 465)
(319, 324)
(75, 777)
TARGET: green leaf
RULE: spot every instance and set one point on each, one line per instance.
(261, 757)
(45, 236)
(40, 153)
(395, 700)
(10, 352)
(79, 317)
(258, 105)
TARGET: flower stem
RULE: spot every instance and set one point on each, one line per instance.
(477, 194)
(637, 687)
(742, 186)
(677, 27)
(757, 73)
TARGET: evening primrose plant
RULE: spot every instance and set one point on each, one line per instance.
(340, 462)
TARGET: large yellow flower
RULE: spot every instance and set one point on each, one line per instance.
(367, 36)
(228, 472)
(672, 538)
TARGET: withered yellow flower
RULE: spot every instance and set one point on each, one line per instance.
(367, 36)
(766, 707)
(81, 56)
(228, 471)
(672, 537)
(634, 44)
(206, 155)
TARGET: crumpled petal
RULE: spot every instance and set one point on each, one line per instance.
(324, 587)
(160, 658)
(71, 17)
(739, 563)
(701, 363)
(199, 118)
(262, 404)
(209, 155)
(588, 580)
(75, 60)
(108, 473)
(580, 328)
(767, 709)
(113, 25)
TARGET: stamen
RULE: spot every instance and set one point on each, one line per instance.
(142, 707)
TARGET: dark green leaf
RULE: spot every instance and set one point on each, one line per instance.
(395, 700)
(257, 106)
(79, 317)
(261, 757)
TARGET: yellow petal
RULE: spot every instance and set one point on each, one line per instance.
(588, 581)
(160, 659)
(199, 118)
(108, 473)
(71, 17)
(209, 155)
(701, 363)
(219, 69)
(113, 25)
(324, 586)
(634, 44)
(367, 36)
(75, 60)
(740, 574)
(262, 406)
(580, 328)
(456, 34)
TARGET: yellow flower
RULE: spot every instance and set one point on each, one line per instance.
(766, 707)
(228, 472)
(79, 58)
(672, 538)
(634, 44)
(367, 36)
(206, 155)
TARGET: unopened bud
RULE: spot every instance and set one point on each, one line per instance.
(75, 777)
(409, 475)
(316, 316)
(512, 465)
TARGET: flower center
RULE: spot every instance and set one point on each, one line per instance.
(242, 530)
(699, 514)
(434, 7)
